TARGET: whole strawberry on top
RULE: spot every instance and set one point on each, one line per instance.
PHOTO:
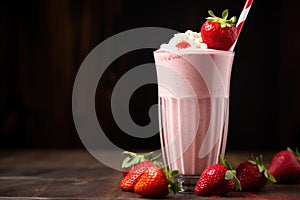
(253, 175)
(217, 179)
(219, 33)
(285, 166)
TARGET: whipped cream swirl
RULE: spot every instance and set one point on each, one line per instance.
(193, 38)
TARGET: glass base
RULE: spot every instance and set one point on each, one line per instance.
(187, 183)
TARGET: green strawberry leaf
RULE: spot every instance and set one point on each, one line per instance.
(212, 19)
(289, 149)
(270, 178)
(211, 13)
(149, 155)
(229, 175)
(252, 162)
(125, 162)
(134, 158)
(128, 153)
(225, 14)
(174, 173)
(159, 164)
(295, 152)
(259, 161)
(238, 186)
(172, 185)
(224, 22)
(233, 19)
(225, 163)
(261, 168)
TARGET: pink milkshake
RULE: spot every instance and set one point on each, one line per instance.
(194, 98)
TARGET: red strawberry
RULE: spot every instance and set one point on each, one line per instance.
(156, 182)
(253, 175)
(183, 44)
(133, 159)
(285, 166)
(219, 33)
(217, 180)
(129, 181)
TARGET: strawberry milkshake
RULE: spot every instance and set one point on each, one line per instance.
(194, 82)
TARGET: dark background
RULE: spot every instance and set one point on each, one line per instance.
(43, 43)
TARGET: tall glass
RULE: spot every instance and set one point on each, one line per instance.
(194, 100)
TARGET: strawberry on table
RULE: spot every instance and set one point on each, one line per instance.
(253, 175)
(129, 181)
(156, 182)
(217, 179)
(285, 166)
(219, 33)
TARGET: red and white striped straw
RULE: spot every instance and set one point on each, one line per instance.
(241, 21)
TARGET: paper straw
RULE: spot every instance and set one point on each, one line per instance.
(241, 21)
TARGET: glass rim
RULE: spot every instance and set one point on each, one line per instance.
(205, 51)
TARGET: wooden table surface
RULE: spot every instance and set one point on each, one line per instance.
(75, 174)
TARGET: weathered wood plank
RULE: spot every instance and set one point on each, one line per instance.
(77, 175)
